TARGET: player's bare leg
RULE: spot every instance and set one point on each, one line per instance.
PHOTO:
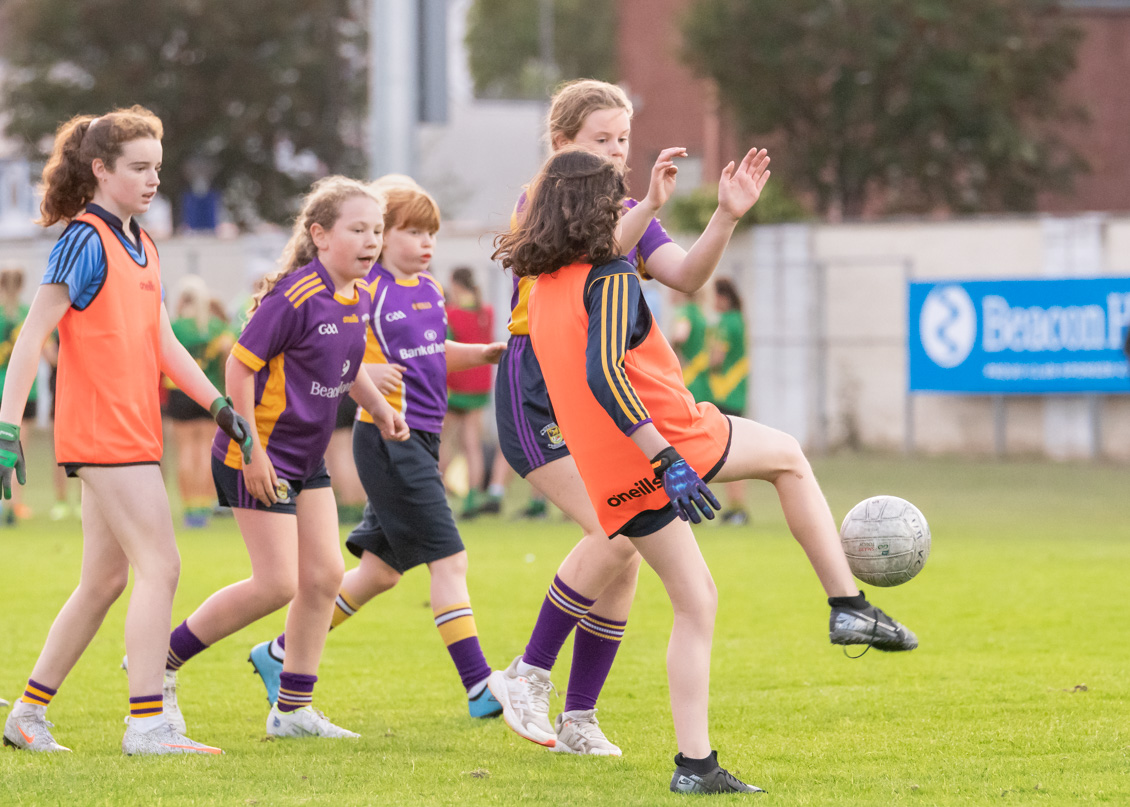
(272, 544)
(105, 573)
(760, 452)
(674, 555)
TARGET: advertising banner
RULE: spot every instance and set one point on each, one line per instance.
(1027, 337)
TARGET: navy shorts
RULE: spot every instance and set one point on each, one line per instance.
(231, 491)
(407, 519)
(527, 430)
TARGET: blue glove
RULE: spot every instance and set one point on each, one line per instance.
(11, 457)
(233, 425)
(683, 486)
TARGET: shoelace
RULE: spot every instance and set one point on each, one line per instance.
(874, 633)
(537, 705)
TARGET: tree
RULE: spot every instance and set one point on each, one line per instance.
(914, 104)
(504, 44)
(235, 83)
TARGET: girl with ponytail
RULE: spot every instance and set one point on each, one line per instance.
(102, 290)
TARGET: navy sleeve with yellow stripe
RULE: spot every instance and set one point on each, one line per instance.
(618, 321)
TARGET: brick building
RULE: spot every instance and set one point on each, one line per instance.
(676, 108)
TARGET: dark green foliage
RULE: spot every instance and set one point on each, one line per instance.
(691, 212)
(230, 80)
(915, 104)
(504, 45)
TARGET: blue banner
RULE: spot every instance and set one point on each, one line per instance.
(1026, 337)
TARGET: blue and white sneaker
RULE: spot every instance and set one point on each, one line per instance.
(484, 704)
(268, 668)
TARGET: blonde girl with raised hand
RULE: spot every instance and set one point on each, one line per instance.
(300, 351)
(102, 289)
(595, 584)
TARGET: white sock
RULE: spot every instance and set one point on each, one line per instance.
(525, 669)
(277, 651)
(496, 491)
(477, 689)
(148, 724)
(23, 709)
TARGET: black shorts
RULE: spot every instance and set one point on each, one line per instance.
(181, 407)
(346, 413)
(231, 492)
(72, 468)
(407, 519)
(652, 521)
(527, 431)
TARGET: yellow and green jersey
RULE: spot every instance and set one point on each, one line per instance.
(693, 353)
(728, 380)
(9, 330)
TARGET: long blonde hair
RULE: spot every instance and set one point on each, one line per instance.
(322, 205)
(574, 101)
(68, 179)
(192, 301)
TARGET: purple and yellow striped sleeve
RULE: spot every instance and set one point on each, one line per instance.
(613, 301)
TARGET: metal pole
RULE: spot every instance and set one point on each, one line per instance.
(820, 316)
(394, 33)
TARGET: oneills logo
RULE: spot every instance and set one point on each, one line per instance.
(641, 488)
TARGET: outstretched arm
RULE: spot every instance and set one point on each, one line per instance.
(50, 304)
(738, 190)
(465, 355)
(634, 223)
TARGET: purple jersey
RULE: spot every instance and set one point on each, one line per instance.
(652, 239)
(409, 327)
(305, 344)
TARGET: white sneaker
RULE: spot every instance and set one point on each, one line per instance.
(164, 740)
(4, 704)
(30, 732)
(525, 702)
(579, 733)
(304, 722)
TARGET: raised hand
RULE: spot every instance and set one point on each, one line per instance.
(663, 177)
(740, 188)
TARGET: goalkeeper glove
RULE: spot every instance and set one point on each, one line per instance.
(233, 424)
(683, 486)
(11, 457)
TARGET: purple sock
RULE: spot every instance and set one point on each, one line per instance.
(562, 610)
(295, 691)
(183, 645)
(594, 650)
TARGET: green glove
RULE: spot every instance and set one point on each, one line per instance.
(229, 420)
(11, 456)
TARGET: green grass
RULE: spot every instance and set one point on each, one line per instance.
(1023, 600)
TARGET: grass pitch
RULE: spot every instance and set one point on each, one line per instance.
(1018, 693)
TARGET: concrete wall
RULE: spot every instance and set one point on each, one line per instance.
(826, 312)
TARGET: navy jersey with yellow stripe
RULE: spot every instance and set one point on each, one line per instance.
(619, 319)
(305, 344)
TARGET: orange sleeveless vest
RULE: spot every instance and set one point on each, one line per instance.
(108, 411)
(617, 476)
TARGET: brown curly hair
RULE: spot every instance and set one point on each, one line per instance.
(68, 179)
(572, 208)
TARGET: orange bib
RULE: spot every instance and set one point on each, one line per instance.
(107, 408)
(617, 476)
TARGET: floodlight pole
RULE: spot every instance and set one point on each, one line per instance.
(393, 86)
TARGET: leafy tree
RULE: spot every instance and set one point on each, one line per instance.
(235, 83)
(503, 41)
(914, 103)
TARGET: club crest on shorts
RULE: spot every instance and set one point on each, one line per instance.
(552, 433)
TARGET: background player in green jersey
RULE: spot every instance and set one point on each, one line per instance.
(728, 378)
(689, 338)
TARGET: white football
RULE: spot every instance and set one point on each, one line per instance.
(886, 540)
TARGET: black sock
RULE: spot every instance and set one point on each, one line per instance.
(858, 602)
(700, 766)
